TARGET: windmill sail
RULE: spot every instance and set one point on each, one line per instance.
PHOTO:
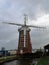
(25, 28)
(13, 24)
(35, 26)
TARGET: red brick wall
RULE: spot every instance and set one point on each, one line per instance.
(28, 48)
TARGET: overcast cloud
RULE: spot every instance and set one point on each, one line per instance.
(13, 11)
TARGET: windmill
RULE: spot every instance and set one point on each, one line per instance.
(24, 28)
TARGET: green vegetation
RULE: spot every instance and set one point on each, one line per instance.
(43, 61)
(7, 58)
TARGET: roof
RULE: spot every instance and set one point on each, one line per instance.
(46, 46)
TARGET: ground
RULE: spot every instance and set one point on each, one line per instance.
(43, 61)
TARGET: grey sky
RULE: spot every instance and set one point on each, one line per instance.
(13, 11)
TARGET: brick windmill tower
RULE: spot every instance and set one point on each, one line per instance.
(24, 42)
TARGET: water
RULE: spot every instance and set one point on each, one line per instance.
(22, 62)
(19, 62)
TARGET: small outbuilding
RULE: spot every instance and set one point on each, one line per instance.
(46, 48)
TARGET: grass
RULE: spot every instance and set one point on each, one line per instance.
(2, 59)
(43, 61)
(7, 57)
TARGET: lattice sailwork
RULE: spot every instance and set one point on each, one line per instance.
(24, 42)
